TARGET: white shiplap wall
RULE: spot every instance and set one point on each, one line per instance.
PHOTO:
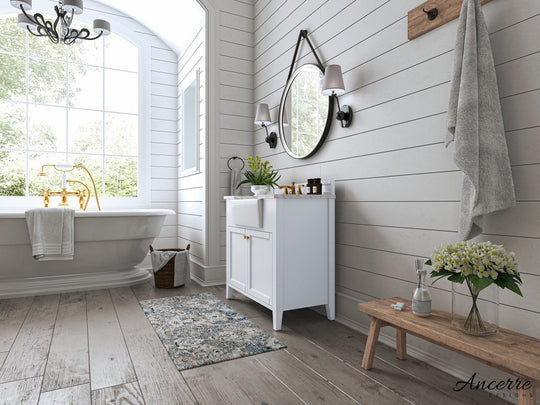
(235, 100)
(398, 189)
(191, 187)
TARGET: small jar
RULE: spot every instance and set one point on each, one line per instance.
(327, 188)
(317, 185)
(310, 184)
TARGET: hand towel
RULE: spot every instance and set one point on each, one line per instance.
(476, 126)
(51, 233)
(236, 177)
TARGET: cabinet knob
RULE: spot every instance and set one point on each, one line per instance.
(246, 237)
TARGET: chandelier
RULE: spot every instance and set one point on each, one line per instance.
(59, 30)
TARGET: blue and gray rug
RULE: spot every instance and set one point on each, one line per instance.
(199, 329)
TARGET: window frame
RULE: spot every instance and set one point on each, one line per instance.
(192, 78)
(142, 200)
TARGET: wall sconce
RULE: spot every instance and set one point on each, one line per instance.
(262, 118)
(333, 86)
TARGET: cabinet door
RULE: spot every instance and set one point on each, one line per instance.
(260, 265)
(238, 258)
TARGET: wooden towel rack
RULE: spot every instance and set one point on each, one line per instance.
(424, 18)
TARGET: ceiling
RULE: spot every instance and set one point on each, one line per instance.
(174, 21)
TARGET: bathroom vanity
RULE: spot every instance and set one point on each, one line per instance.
(281, 251)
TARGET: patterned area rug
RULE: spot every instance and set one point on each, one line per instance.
(199, 329)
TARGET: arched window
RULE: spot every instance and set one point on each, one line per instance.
(75, 104)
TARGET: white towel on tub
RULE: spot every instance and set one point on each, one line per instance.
(51, 232)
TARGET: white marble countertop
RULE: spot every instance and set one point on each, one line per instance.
(288, 196)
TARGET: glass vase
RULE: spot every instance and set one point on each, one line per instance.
(475, 313)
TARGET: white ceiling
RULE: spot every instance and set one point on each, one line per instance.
(174, 21)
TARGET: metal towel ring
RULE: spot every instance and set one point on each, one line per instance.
(236, 157)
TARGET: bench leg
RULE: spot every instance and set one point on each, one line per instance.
(401, 344)
(528, 396)
(373, 336)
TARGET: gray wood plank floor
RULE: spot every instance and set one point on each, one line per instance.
(97, 347)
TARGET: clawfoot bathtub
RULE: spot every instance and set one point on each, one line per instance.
(108, 247)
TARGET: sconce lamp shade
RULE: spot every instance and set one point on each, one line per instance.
(333, 81)
(27, 4)
(262, 117)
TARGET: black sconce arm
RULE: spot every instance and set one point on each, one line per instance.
(271, 138)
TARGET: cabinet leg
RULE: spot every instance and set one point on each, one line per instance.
(331, 310)
(277, 316)
(228, 292)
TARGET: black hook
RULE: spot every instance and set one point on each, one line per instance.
(431, 14)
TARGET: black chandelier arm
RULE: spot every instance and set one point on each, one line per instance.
(45, 28)
(82, 34)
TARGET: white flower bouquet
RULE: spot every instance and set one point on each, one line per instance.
(479, 265)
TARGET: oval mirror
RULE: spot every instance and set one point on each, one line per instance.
(305, 114)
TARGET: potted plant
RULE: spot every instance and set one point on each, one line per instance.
(479, 265)
(261, 176)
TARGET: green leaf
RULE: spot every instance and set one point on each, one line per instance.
(456, 278)
(483, 283)
(514, 288)
(428, 262)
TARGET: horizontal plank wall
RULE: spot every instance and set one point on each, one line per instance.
(191, 187)
(398, 190)
(235, 100)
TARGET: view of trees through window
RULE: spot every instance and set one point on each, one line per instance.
(75, 104)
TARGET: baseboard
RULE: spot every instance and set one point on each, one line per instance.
(207, 276)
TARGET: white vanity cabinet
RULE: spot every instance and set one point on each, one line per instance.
(280, 251)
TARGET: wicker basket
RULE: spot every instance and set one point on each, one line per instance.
(164, 278)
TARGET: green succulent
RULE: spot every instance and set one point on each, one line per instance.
(261, 173)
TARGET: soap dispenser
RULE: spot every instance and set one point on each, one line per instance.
(421, 302)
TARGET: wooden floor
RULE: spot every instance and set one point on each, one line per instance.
(97, 347)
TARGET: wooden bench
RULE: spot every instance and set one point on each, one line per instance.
(506, 350)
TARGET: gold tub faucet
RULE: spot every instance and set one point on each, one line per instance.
(84, 195)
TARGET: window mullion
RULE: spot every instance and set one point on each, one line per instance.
(27, 125)
(103, 125)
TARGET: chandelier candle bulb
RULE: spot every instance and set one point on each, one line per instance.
(75, 6)
(25, 22)
(102, 26)
(26, 4)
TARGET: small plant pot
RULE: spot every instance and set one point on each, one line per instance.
(261, 190)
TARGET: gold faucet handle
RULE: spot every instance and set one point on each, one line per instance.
(286, 188)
